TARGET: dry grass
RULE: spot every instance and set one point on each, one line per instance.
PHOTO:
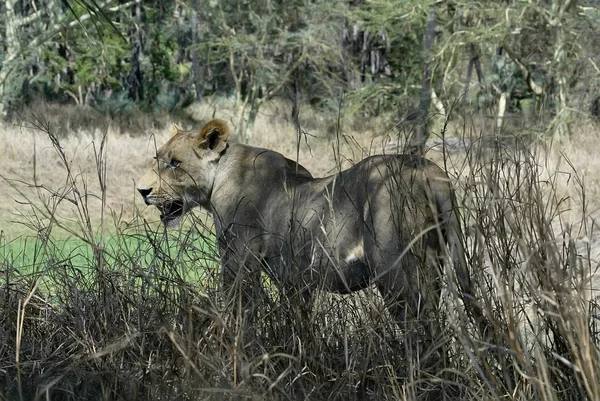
(34, 170)
(126, 324)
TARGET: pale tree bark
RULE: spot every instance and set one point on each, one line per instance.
(196, 69)
(439, 105)
(502, 102)
(11, 26)
(12, 49)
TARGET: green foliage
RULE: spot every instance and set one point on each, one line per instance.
(93, 66)
(117, 104)
(256, 50)
(404, 26)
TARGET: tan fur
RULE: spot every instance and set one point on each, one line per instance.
(373, 223)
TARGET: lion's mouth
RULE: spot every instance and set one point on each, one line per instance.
(171, 210)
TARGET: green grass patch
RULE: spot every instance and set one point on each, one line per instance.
(181, 256)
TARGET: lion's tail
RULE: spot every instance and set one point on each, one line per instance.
(454, 238)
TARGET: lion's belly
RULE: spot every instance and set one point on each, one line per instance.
(320, 257)
(333, 259)
(342, 270)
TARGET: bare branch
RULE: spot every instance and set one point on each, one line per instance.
(535, 88)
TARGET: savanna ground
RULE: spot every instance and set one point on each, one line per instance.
(97, 302)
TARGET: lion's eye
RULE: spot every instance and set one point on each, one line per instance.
(173, 163)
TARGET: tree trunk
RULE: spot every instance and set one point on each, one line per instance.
(501, 110)
(196, 70)
(474, 63)
(421, 133)
(559, 8)
(136, 76)
(12, 49)
(295, 96)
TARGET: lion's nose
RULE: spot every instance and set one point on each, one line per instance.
(145, 192)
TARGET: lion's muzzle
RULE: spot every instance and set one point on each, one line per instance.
(145, 192)
(171, 209)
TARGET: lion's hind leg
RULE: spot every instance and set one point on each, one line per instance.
(398, 284)
(411, 293)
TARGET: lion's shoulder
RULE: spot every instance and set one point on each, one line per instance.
(264, 162)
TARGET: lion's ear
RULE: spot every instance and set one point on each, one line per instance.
(214, 135)
(175, 129)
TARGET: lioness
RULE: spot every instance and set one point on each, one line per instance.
(381, 221)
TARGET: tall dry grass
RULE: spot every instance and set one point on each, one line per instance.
(124, 321)
(33, 171)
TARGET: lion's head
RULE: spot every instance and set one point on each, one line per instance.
(183, 171)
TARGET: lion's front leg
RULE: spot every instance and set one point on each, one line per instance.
(242, 288)
(241, 285)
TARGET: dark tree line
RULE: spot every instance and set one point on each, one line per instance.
(119, 56)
